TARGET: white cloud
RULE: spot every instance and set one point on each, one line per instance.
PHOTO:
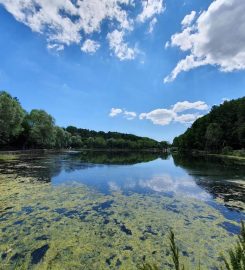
(188, 19)
(90, 46)
(216, 37)
(129, 115)
(165, 116)
(186, 105)
(186, 64)
(120, 48)
(152, 25)
(66, 22)
(150, 9)
(225, 99)
(187, 118)
(56, 47)
(159, 116)
(115, 111)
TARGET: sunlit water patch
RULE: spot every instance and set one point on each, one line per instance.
(67, 212)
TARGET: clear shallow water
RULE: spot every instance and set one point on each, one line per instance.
(113, 211)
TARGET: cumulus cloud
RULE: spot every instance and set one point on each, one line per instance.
(119, 46)
(66, 22)
(161, 117)
(115, 111)
(150, 9)
(152, 25)
(90, 46)
(187, 118)
(188, 19)
(216, 37)
(186, 105)
(129, 115)
(55, 47)
(165, 116)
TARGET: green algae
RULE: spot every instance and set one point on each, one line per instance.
(85, 229)
(7, 157)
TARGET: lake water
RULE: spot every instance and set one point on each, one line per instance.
(95, 210)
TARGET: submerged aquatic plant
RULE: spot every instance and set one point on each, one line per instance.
(174, 255)
(149, 266)
(236, 260)
(237, 254)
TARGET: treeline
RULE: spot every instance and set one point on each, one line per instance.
(221, 129)
(22, 130)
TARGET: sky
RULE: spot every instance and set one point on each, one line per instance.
(148, 67)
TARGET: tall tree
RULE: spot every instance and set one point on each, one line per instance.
(11, 117)
(42, 129)
(213, 136)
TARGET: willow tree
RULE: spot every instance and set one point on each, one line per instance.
(11, 117)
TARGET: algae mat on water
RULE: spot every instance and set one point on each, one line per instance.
(74, 227)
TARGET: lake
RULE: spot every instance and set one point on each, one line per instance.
(105, 210)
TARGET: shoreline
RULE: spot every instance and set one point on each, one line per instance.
(151, 150)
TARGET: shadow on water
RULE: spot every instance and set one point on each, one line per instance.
(223, 178)
(120, 158)
(45, 166)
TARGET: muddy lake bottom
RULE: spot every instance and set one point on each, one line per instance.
(84, 210)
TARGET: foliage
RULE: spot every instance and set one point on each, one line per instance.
(112, 140)
(37, 130)
(41, 129)
(223, 126)
(227, 150)
(11, 117)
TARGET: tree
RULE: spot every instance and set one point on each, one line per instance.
(11, 117)
(214, 137)
(164, 144)
(241, 135)
(42, 130)
(223, 126)
(99, 142)
(62, 138)
(37, 130)
(76, 141)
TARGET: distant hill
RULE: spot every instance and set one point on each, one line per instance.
(222, 128)
(111, 140)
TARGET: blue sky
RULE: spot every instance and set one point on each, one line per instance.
(109, 74)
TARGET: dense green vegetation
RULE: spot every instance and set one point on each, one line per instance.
(22, 130)
(223, 129)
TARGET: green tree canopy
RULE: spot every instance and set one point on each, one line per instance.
(11, 117)
(223, 127)
(41, 129)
